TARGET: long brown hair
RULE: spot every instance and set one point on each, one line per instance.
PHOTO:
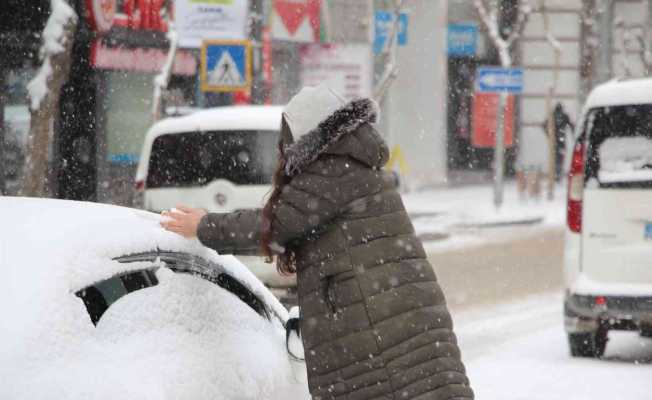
(286, 261)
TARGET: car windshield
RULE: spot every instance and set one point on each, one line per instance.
(100, 296)
(620, 146)
(197, 158)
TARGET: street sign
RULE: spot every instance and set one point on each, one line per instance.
(485, 114)
(383, 28)
(497, 80)
(225, 65)
(462, 40)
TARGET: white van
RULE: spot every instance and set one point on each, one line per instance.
(220, 159)
(608, 254)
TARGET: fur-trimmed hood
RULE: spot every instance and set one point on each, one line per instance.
(343, 121)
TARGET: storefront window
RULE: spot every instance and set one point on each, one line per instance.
(128, 114)
(16, 126)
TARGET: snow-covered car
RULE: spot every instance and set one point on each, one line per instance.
(99, 302)
(220, 159)
(608, 246)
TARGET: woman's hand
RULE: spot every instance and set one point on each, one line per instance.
(183, 220)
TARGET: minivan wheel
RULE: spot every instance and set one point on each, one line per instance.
(588, 344)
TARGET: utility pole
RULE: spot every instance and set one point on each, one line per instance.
(605, 70)
(256, 17)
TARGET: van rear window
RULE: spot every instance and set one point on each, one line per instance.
(620, 146)
(197, 158)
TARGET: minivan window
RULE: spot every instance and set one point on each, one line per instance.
(619, 153)
(197, 158)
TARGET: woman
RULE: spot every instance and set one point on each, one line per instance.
(374, 322)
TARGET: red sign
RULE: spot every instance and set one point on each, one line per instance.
(100, 14)
(131, 14)
(140, 59)
(294, 13)
(485, 113)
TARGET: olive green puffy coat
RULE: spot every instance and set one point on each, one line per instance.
(374, 322)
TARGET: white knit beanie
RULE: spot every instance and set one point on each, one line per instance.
(309, 107)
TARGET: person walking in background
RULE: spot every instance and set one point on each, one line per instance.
(373, 319)
(563, 129)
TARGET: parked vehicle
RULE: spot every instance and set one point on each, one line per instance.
(221, 159)
(608, 272)
(98, 301)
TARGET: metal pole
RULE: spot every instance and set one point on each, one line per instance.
(605, 71)
(499, 151)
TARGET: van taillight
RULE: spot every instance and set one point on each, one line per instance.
(575, 189)
(140, 186)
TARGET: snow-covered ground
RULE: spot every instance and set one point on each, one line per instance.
(518, 351)
(451, 218)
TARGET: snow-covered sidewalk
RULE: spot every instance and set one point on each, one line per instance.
(518, 351)
(465, 216)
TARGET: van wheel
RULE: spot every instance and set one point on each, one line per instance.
(588, 344)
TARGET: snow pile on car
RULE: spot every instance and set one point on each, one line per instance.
(184, 338)
(625, 159)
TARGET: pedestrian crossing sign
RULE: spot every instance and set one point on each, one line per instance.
(225, 65)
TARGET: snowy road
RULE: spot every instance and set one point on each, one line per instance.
(518, 351)
(517, 262)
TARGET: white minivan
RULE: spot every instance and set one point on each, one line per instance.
(220, 159)
(608, 247)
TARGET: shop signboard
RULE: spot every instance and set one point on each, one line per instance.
(225, 65)
(346, 68)
(296, 20)
(101, 14)
(140, 59)
(462, 40)
(383, 26)
(199, 20)
(133, 15)
(485, 112)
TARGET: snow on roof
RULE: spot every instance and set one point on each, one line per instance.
(266, 118)
(222, 118)
(621, 92)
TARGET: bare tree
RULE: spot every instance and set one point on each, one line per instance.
(489, 12)
(632, 39)
(44, 91)
(552, 91)
(162, 80)
(388, 54)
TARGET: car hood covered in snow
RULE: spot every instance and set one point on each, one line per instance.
(183, 338)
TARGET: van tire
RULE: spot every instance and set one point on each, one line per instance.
(591, 345)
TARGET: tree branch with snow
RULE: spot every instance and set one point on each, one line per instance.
(489, 16)
(390, 71)
(44, 91)
(163, 78)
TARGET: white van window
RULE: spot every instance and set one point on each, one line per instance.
(620, 146)
(197, 158)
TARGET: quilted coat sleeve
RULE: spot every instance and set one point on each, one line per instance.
(301, 211)
(235, 233)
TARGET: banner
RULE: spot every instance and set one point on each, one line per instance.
(485, 114)
(296, 20)
(198, 20)
(346, 68)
